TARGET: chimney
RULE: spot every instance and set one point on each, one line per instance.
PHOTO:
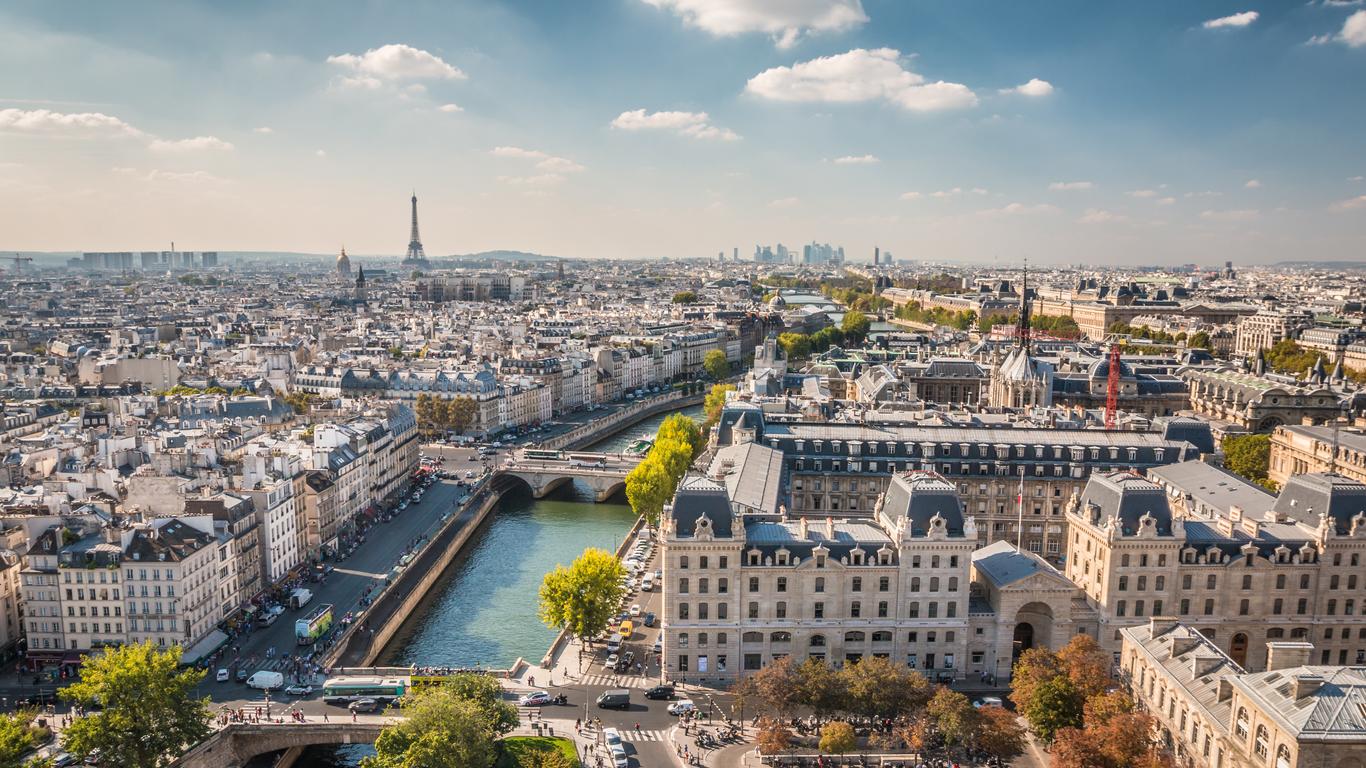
(802, 526)
(1287, 655)
(1306, 685)
(830, 527)
(1181, 643)
(1161, 625)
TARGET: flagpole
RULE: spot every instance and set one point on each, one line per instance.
(1019, 505)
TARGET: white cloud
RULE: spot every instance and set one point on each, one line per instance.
(1166, 201)
(539, 180)
(1035, 87)
(450, 108)
(362, 82)
(1352, 34)
(857, 160)
(551, 164)
(1252, 184)
(394, 62)
(1236, 20)
(1229, 215)
(1356, 178)
(955, 192)
(858, 76)
(784, 202)
(694, 124)
(1101, 216)
(786, 21)
(1016, 209)
(910, 195)
(1351, 204)
(265, 129)
(1143, 193)
(197, 144)
(1069, 186)
(69, 124)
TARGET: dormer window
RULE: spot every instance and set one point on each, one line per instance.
(820, 561)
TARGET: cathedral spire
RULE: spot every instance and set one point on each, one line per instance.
(1023, 327)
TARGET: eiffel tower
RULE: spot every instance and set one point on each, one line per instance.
(415, 256)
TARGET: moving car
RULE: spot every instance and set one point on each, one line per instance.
(660, 692)
(635, 610)
(619, 698)
(299, 690)
(659, 644)
(612, 736)
(266, 680)
(649, 620)
(619, 758)
(223, 676)
(611, 662)
(534, 699)
(988, 701)
(682, 707)
(364, 705)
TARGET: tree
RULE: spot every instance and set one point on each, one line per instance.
(953, 715)
(1054, 705)
(546, 758)
(685, 297)
(1087, 665)
(683, 429)
(149, 714)
(855, 326)
(460, 413)
(777, 685)
(773, 737)
(1200, 339)
(1248, 455)
(582, 598)
(1124, 742)
(837, 738)
(716, 365)
(485, 691)
(714, 402)
(16, 739)
(999, 733)
(1033, 667)
(820, 687)
(1100, 710)
(795, 345)
(425, 411)
(439, 730)
(881, 689)
(648, 489)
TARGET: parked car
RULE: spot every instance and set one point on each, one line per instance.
(612, 736)
(660, 692)
(619, 758)
(649, 620)
(534, 699)
(988, 701)
(223, 676)
(611, 662)
(635, 610)
(241, 675)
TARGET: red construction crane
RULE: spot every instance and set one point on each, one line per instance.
(1112, 388)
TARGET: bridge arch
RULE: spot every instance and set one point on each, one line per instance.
(237, 744)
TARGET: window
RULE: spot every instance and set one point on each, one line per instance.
(1209, 607)
(1240, 723)
(683, 561)
(1242, 607)
(682, 610)
(1277, 606)
(721, 610)
(702, 562)
(723, 586)
(782, 583)
(854, 609)
(781, 609)
(753, 610)
(882, 609)
(683, 586)
(1304, 581)
(1211, 581)
(682, 663)
(1186, 581)
(722, 561)
(819, 611)
(1302, 606)
(883, 584)
(703, 585)
(1185, 607)
(856, 585)
(753, 583)
(1262, 744)
(1280, 581)
(1119, 608)
(820, 584)
(914, 610)
(1247, 581)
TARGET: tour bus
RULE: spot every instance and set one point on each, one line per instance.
(541, 454)
(308, 629)
(353, 687)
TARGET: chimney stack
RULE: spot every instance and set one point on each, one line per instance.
(830, 527)
(1161, 625)
(1306, 685)
(1287, 655)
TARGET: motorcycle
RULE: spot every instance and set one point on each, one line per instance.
(561, 699)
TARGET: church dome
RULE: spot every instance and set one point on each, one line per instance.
(343, 263)
(1100, 369)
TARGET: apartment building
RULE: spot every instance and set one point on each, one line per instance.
(171, 581)
(277, 514)
(1297, 450)
(1213, 714)
(238, 531)
(1264, 329)
(1138, 550)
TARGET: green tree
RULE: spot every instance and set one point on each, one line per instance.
(683, 429)
(685, 297)
(16, 739)
(714, 402)
(582, 598)
(855, 326)
(149, 712)
(953, 715)
(837, 738)
(460, 414)
(1248, 455)
(716, 365)
(440, 729)
(825, 338)
(795, 345)
(487, 692)
(1056, 704)
(880, 689)
(1200, 339)
(648, 489)
(396, 352)
(821, 688)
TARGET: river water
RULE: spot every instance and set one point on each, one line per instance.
(482, 613)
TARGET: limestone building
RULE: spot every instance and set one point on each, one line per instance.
(1296, 572)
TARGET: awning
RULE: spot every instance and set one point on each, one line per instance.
(207, 645)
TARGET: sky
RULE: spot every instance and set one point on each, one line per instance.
(1065, 132)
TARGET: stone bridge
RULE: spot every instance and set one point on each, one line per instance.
(604, 473)
(236, 744)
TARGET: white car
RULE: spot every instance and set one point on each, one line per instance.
(682, 707)
(988, 701)
(635, 610)
(534, 699)
(612, 736)
(611, 662)
(299, 690)
(619, 758)
(222, 676)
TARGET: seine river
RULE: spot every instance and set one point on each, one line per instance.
(483, 611)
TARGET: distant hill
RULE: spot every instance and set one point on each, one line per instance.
(504, 256)
(1322, 264)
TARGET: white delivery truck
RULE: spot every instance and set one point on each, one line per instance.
(300, 597)
(266, 680)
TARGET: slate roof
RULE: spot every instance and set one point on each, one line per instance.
(697, 497)
(1335, 711)
(1305, 497)
(1214, 487)
(1004, 565)
(1130, 497)
(919, 496)
(754, 477)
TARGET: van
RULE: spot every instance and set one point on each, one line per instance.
(619, 698)
(649, 583)
(626, 629)
(614, 642)
(266, 680)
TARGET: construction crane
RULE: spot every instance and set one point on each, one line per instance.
(1112, 388)
(19, 260)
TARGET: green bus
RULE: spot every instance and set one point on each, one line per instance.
(362, 686)
(308, 629)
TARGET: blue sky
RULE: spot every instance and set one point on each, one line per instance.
(1067, 132)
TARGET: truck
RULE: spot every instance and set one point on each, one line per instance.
(313, 626)
(300, 597)
(266, 680)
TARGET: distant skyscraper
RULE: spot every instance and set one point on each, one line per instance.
(415, 257)
(876, 255)
(208, 259)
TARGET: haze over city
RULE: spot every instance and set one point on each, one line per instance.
(1069, 132)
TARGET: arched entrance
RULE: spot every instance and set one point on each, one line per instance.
(1237, 649)
(1033, 629)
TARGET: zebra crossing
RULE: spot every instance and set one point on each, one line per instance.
(638, 682)
(628, 735)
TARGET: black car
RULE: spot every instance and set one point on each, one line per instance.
(660, 692)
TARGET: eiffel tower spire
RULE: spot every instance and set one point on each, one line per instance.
(415, 252)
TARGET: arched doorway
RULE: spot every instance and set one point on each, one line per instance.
(1033, 629)
(1237, 649)
(1023, 640)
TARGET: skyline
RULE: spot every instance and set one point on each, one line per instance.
(643, 128)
